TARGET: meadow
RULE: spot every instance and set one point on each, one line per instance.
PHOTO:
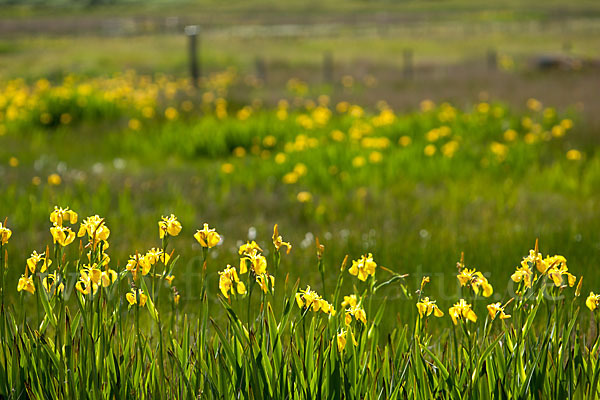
(280, 230)
(386, 213)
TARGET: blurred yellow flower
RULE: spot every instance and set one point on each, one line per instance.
(429, 150)
(169, 226)
(227, 168)
(375, 157)
(171, 113)
(427, 105)
(574, 155)
(404, 141)
(54, 179)
(358, 161)
(510, 135)
(13, 162)
(134, 124)
(304, 197)
(534, 104)
(207, 237)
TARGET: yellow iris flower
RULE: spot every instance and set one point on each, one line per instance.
(132, 297)
(5, 234)
(249, 248)
(266, 282)
(26, 283)
(95, 228)
(557, 267)
(35, 258)
(228, 278)
(169, 226)
(357, 312)
(61, 235)
(426, 307)
(475, 279)
(49, 283)
(278, 241)
(257, 262)
(462, 311)
(593, 301)
(496, 308)
(311, 299)
(363, 267)
(207, 237)
(349, 301)
(138, 263)
(341, 340)
(60, 215)
(524, 274)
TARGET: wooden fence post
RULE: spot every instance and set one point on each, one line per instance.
(407, 59)
(193, 33)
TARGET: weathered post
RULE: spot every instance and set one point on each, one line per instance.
(327, 68)
(492, 59)
(407, 58)
(192, 32)
(261, 69)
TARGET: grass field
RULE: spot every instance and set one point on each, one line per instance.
(425, 214)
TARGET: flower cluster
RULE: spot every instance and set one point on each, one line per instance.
(363, 267)
(476, 280)
(229, 282)
(309, 299)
